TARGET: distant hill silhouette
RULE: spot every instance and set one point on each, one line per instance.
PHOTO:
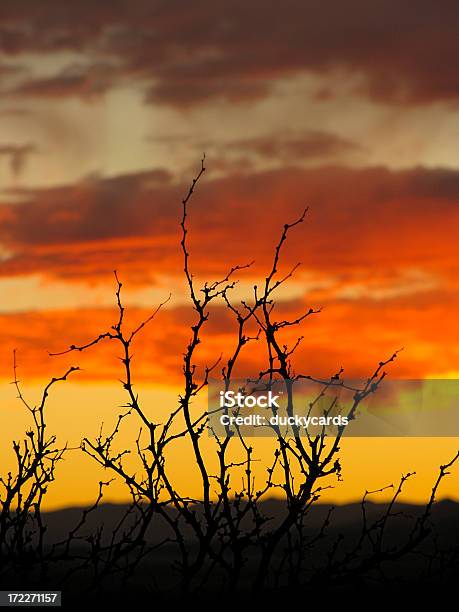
(345, 524)
(345, 519)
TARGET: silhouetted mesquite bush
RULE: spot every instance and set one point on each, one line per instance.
(22, 490)
(223, 538)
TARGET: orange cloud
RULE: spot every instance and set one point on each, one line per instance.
(355, 334)
(378, 249)
(360, 219)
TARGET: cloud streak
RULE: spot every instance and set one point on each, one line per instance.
(378, 249)
(237, 52)
(355, 334)
(358, 219)
(293, 148)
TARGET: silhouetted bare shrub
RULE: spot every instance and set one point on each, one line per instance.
(224, 539)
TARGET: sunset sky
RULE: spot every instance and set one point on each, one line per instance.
(105, 111)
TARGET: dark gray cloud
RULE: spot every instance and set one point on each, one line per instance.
(311, 145)
(80, 80)
(236, 50)
(287, 148)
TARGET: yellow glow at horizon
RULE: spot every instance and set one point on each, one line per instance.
(77, 410)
